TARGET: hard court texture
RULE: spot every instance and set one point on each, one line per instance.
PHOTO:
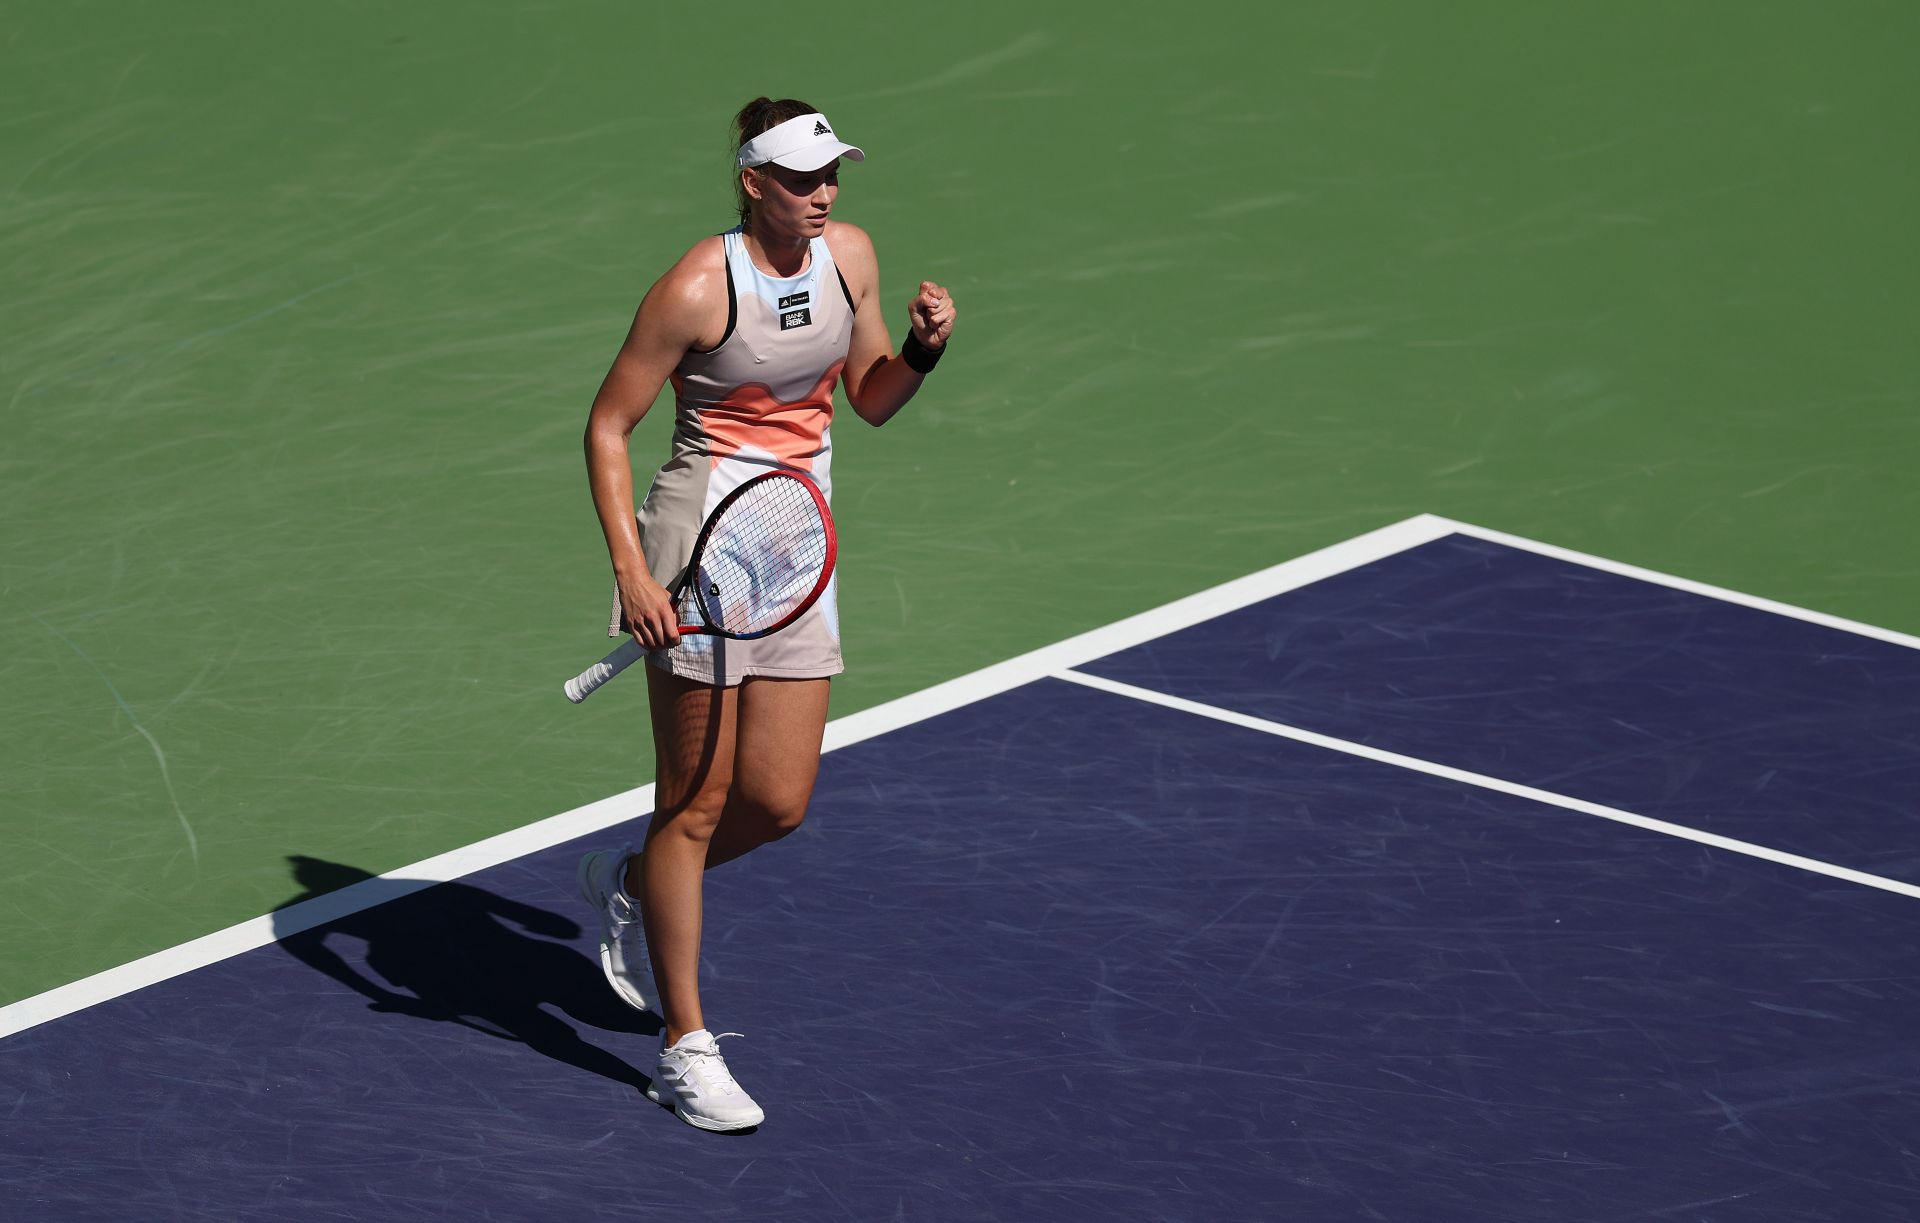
(1065, 954)
(305, 307)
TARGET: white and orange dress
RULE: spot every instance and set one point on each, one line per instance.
(761, 400)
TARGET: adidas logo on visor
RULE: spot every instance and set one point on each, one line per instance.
(821, 129)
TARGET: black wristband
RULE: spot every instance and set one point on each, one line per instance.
(918, 356)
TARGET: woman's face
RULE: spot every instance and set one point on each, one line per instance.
(793, 201)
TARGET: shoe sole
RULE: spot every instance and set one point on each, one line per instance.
(701, 1123)
(621, 986)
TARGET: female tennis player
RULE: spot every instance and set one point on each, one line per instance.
(754, 327)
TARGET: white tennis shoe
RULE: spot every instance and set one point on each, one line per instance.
(693, 1080)
(623, 942)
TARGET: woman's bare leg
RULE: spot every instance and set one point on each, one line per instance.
(735, 770)
(778, 727)
(693, 739)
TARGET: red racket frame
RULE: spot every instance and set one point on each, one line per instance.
(706, 532)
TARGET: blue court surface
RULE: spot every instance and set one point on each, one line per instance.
(1467, 882)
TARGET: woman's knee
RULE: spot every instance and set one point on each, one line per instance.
(776, 815)
(786, 818)
(694, 818)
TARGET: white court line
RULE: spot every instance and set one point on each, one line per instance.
(259, 931)
(1687, 584)
(635, 804)
(1482, 781)
(1134, 630)
(842, 732)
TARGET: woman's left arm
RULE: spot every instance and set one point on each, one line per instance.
(879, 381)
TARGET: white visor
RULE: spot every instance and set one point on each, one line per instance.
(803, 144)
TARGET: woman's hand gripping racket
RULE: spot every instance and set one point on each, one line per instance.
(762, 558)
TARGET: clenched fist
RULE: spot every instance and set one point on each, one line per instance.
(930, 314)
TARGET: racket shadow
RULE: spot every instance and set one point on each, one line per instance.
(459, 954)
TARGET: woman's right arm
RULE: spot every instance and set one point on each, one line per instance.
(677, 314)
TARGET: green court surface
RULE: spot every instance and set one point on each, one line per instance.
(304, 306)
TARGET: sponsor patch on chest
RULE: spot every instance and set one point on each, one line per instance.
(796, 318)
(795, 299)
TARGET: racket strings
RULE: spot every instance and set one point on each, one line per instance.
(763, 558)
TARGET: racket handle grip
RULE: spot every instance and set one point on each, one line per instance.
(585, 684)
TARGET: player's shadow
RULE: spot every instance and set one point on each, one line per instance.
(451, 953)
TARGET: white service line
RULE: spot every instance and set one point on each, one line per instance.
(1481, 780)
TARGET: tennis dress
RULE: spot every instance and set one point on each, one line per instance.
(761, 400)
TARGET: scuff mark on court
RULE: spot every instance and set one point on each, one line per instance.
(159, 754)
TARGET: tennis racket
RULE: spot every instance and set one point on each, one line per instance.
(762, 558)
